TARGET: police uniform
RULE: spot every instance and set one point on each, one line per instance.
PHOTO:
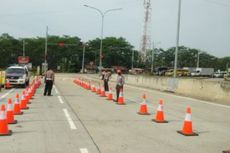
(49, 80)
(120, 83)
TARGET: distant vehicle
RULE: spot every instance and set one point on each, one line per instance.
(219, 74)
(190, 69)
(227, 76)
(160, 71)
(179, 72)
(208, 72)
(2, 78)
(18, 75)
(136, 71)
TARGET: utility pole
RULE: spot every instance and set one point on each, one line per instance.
(132, 58)
(23, 48)
(198, 59)
(177, 39)
(46, 44)
(83, 58)
(152, 60)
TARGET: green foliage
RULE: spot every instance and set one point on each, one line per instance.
(116, 52)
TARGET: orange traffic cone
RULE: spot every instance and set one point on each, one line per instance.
(120, 100)
(23, 103)
(99, 90)
(110, 95)
(187, 127)
(27, 97)
(4, 131)
(160, 114)
(17, 108)
(7, 84)
(89, 86)
(10, 113)
(92, 88)
(143, 107)
(102, 92)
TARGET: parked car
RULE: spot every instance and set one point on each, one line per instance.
(18, 75)
(136, 71)
(160, 71)
(219, 74)
(179, 72)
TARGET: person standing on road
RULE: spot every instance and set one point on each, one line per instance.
(120, 83)
(106, 80)
(49, 81)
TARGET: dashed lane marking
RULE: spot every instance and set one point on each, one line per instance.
(69, 119)
(56, 90)
(84, 150)
(6, 94)
(60, 100)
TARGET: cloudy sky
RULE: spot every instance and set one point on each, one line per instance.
(205, 24)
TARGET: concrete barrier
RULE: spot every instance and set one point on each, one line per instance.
(205, 89)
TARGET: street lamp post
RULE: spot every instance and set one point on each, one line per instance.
(198, 59)
(132, 58)
(83, 58)
(177, 39)
(102, 27)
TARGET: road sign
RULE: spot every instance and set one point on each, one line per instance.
(23, 59)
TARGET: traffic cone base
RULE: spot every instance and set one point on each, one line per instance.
(110, 97)
(121, 103)
(143, 113)
(189, 134)
(159, 121)
(20, 113)
(7, 134)
(14, 122)
(24, 108)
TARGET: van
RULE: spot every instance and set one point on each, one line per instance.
(18, 75)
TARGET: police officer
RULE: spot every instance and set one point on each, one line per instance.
(120, 83)
(106, 80)
(49, 81)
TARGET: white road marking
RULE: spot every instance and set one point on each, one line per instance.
(69, 119)
(56, 90)
(186, 98)
(84, 150)
(6, 94)
(60, 100)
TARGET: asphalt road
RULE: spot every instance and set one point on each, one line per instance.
(75, 120)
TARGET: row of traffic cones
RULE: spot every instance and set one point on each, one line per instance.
(143, 110)
(7, 116)
(159, 117)
(100, 90)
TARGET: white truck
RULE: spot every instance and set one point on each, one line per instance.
(208, 72)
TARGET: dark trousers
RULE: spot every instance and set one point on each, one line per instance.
(106, 85)
(118, 88)
(48, 87)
